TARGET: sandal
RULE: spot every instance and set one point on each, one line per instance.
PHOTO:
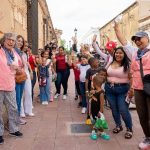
(117, 129)
(128, 134)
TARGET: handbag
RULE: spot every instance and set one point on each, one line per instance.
(21, 76)
(42, 81)
(145, 80)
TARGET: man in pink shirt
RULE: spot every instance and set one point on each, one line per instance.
(8, 68)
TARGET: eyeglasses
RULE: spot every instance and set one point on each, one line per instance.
(137, 39)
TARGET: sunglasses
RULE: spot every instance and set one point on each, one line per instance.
(137, 39)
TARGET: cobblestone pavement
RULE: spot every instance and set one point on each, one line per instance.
(50, 129)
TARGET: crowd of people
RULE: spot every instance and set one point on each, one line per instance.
(116, 80)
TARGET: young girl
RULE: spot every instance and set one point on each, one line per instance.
(97, 106)
(51, 71)
(44, 82)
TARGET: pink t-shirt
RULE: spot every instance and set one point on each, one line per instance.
(135, 70)
(117, 75)
(7, 73)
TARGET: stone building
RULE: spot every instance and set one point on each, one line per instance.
(58, 33)
(13, 16)
(136, 17)
(30, 18)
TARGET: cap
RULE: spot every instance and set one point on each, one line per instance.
(111, 45)
(139, 34)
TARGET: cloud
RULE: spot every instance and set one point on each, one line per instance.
(83, 14)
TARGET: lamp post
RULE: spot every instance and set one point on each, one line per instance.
(69, 45)
(75, 32)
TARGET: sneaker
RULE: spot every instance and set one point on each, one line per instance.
(17, 134)
(105, 136)
(22, 115)
(1, 140)
(64, 97)
(22, 122)
(145, 145)
(83, 110)
(45, 103)
(56, 95)
(31, 115)
(93, 136)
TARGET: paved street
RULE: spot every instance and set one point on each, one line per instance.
(50, 129)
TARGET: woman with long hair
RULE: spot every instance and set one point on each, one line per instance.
(117, 88)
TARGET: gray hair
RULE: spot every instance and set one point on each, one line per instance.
(6, 36)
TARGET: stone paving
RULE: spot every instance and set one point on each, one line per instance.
(50, 129)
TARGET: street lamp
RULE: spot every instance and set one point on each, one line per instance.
(75, 32)
(70, 45)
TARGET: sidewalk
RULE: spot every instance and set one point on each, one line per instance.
(49, 129)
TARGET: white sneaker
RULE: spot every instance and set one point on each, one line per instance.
(45, 103)
(64, 97)
(31, 115)
(22, 115)
(83, 110)
(56, 95)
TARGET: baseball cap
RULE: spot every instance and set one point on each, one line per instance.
(139, 34)
(111, 45)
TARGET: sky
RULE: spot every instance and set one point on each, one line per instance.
(83, 14)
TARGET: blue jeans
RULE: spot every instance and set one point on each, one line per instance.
(33, 81)
(45, 91)
(116, 97)
(83, 95)
(19, 93)
(62, 78)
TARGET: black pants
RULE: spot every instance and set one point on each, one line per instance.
(62, 78)
(143, 109)
(77, 87)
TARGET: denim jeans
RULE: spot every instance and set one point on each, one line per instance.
(33, 81)
(83, 95)
(62, 78)
(45, 91)
(19, 93)
(116, 97)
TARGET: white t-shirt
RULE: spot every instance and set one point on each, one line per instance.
(83, 69)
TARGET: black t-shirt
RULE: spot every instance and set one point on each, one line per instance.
(95, 104)
(89, 73)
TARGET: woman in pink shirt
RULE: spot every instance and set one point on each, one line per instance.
(116, 88)
(8, 68)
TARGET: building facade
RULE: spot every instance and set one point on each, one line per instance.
(136, 17)
(13, 17)
(58, 33)
(87, 38)
(30, 18)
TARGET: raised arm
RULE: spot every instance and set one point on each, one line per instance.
(98, 50)
(128, 48)
(119, 35)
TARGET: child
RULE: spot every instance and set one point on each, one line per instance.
(75, 60)
(97, 106)
(44, 82)
(51, 72)
(83, 67)
(94, 63)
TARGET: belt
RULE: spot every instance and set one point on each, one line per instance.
(117, 84)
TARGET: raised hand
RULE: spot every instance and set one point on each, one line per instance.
(94, 38)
